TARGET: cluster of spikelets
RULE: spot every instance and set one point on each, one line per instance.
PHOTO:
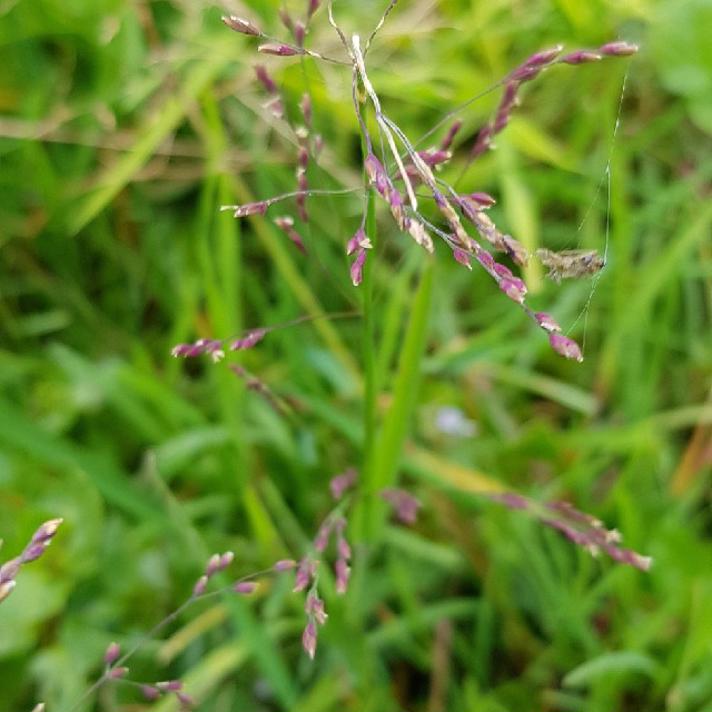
(401, 169)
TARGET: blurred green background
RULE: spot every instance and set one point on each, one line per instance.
(124, 125)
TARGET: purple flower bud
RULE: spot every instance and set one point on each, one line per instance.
(33, 552)
(514, 288)
(300, 32)
(482, 142)
(564, 346)
(618, 49)
(279, 50)
(213, 565)
(314, 608)
(304, 575)
(150, 692)
(321, 540)
(284, 565)
(450, 136)
(309, 639)
(286, 224)
(249, 340)
(46, 531)
(502, 271)
(546, 321)
(10, 569)
(241, 25)
(244, 587)
(200, 585)
(404, 505)
(355, 242)
(486, 260)
(376, 174)
(313, 7)
(226, 559)
(342, 482)
(543, 57)
(582, 56)
(343, 548)
(265, 79)
(483, 200)
(357, 268)
(118, 672)
(462, 257)
(525, 73)
(516, 251)
(258, 208)
(342, 572)
(434, 157)
(112, 653)
(169, 686)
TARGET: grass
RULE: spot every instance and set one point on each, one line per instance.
(123, 127)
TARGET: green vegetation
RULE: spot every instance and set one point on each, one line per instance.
(123, 127)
